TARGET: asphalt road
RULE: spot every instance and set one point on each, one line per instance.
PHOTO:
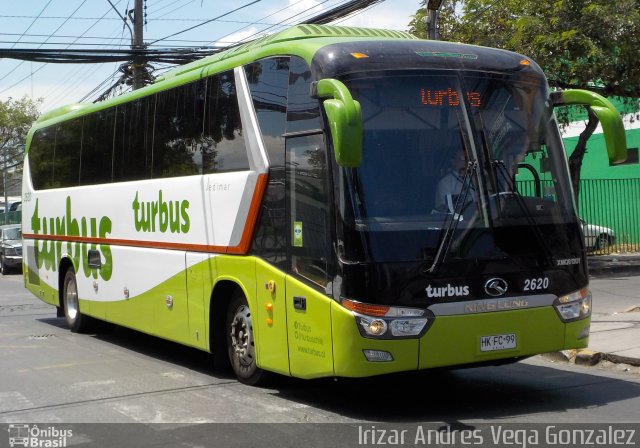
(50, 375)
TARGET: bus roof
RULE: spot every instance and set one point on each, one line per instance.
(301, 40)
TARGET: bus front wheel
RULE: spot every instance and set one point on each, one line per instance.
(78, 323)
(240, 342)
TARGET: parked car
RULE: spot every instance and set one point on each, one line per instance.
(10, 247)
(597, 237)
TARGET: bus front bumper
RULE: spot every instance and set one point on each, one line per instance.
(455, 340)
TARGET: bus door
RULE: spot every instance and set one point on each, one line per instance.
(308, 307)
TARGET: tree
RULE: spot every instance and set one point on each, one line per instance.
(16, 117)
(588, 44)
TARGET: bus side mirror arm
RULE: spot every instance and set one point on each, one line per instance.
(612, 126)
(344, 118)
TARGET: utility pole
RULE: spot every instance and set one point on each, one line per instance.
(137, 43)
(433, 7)
(4, 186)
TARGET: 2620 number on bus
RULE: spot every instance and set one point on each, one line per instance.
(498, 342)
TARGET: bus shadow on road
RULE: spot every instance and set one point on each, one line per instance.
(533, 391)
(507, 393)
(152, 346)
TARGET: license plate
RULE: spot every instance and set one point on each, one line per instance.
(498, 342)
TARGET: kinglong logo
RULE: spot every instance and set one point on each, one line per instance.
(495, 305)
(49, 253)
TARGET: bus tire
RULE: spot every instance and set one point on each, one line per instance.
(78, 322)
(240, 341)
(603, 242)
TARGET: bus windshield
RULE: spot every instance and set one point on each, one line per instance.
(477, 154)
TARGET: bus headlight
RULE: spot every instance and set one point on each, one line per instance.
(574, 306)
(387, 322)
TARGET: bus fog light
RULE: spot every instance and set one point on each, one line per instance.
(373, 327)
(407, 327)
(377, 356)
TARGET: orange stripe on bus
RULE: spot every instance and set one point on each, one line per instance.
(252, 217)
(240, 249)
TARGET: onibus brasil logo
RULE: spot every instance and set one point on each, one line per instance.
(34, 436)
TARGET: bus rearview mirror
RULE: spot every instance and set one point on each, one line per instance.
(345, 121)
(612, 126)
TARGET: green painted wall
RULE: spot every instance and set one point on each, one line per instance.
(610, 195)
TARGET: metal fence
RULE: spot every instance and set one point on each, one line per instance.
(610, 211)
(613, 204)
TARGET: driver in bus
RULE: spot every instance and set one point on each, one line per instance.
(450, 186)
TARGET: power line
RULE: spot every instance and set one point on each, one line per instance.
(40, 68)
(208, 21)
(256, 23)
(346, 9)
(34, 21)
(119, 20)
(95, 56)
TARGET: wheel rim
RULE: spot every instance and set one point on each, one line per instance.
(603, 242)
(242, 336)
(71, 299)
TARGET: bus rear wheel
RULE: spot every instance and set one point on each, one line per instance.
(240, 342)
(78, 322)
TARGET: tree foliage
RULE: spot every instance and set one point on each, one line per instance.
(16, 117)
(584, 44)
(578, 43)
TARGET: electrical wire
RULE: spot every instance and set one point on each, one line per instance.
(208, 21)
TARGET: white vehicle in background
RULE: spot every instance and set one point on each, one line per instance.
(597, 237)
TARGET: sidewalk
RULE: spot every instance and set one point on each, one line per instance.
(614, 264)
(614, 337)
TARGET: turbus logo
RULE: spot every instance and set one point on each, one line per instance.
(447, 291)
(158, 215)
(49, 252)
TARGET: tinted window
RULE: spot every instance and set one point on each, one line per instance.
(41, 158)
(66, 167)
(223, 146)
(177, 131)
(269, 82)
(303, 112)
(132, 148)
(97, 147)
(309, 207)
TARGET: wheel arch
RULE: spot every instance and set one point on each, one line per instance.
(218, 306)
(63, 267)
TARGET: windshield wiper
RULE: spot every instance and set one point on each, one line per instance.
(501, 168)
(447, 237)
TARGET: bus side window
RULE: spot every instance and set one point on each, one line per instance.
(269, 82)
(67, 154)
(96, 155)
(223, 147)
(41, 158)
(177, 130)
(303, 112)
(132, 142)
(307, 180)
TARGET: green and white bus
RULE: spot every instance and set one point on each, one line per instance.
(275, 204)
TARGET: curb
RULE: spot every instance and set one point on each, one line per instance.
(585, 357)
(610, 265)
